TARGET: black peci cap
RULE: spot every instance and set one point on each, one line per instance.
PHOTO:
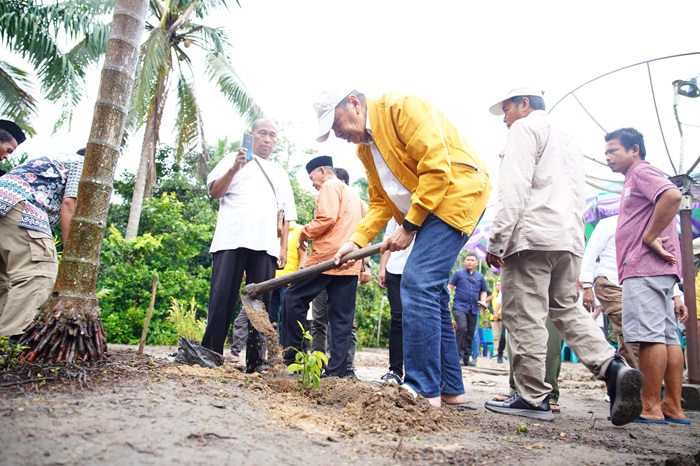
(320, 161)
(12, 128)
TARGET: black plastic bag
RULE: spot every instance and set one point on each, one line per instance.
(192, 353)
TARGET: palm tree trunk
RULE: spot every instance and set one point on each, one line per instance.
(145, 177)
(68, 325)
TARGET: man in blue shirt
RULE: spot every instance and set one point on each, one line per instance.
(471, 290)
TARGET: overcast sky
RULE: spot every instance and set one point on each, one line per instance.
(463, 56)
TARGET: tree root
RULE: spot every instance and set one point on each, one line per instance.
(66, 329)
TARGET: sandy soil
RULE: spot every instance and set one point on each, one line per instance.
(148, 410)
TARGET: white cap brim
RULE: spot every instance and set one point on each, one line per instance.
(325, 123)
(324, 105)
(497, 108)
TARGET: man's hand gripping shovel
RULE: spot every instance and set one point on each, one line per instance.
(255, 309)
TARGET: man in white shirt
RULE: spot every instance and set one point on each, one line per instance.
(599, 274)
(246, 238)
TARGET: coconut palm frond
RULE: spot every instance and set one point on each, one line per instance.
(207, 7)
(157, 9)
(216, 39)
(16, 101)
(188, 122)
(155, 61)
(90, 50)
(220, 70)
(76, 18)
(30, 30)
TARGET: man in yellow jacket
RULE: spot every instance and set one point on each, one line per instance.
(424, 174)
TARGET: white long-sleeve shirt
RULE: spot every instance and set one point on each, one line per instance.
(599, 258)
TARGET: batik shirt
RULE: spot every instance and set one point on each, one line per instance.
(42, 183)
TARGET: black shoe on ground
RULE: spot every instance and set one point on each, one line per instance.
(472, 362)
(392, 377)
(500, 360)
(624, 389)
(516, 406)
(350, 375)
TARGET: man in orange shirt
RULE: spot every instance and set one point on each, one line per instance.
(338, 210)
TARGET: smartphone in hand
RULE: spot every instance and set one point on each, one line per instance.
(248, 145)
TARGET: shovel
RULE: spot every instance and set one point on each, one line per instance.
(255, 309)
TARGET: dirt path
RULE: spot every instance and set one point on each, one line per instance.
(150, 411)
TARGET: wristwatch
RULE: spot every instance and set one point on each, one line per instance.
(586, 285)
(408, 226)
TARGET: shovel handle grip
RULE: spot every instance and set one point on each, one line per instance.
(256, 289)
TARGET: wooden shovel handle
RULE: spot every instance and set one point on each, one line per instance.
(256, 289)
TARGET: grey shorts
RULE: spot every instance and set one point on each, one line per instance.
(647, 310)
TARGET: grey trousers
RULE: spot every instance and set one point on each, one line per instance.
(319, 328)
(537, 285)
(552, 365)
(239, 334)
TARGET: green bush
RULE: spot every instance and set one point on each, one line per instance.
(367, 306)
(176, 248)
(124, 327)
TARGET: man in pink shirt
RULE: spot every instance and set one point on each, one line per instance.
(647, 246)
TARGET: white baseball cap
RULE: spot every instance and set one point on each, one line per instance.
(324, 105)
(497, 108)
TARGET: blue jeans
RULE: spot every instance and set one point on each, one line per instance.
(430, 352)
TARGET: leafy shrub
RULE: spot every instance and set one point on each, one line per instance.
(176, 248)
(9, 353)
(185, 321)
(368, 304)
(124, 327)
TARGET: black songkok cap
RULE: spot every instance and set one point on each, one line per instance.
(12, 128)
(321, 161)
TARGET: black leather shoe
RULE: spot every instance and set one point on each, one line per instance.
(516, 406)
(624, 389)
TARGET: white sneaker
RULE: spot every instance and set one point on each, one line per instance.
(392, 377)
(410, 390)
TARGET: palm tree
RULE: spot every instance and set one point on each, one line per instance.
(68, 326)
(162, 56)
(32, 30)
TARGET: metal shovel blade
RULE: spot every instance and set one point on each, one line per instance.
(257, 315)
(256, 309)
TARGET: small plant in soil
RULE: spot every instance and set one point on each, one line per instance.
(523, 429)
(308, 366)
(9, 352)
